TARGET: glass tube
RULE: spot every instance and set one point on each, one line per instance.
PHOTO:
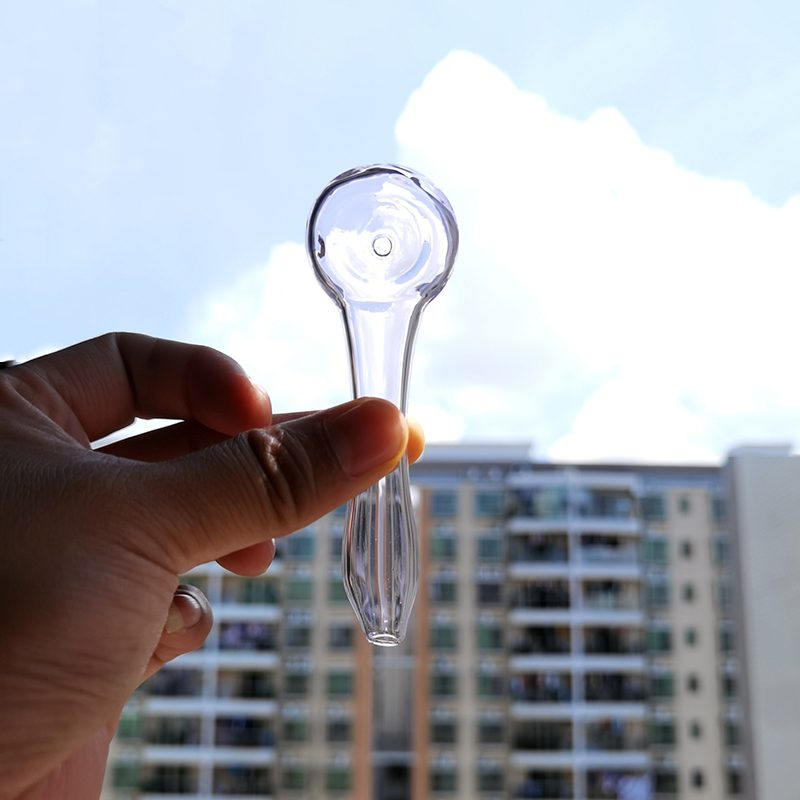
(382, 241)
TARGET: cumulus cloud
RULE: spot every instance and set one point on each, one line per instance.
(606, 304)
(653, 306)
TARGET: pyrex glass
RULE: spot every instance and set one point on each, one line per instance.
(382, 240)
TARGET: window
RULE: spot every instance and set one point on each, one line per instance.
(697, 778)
(444, 504)
(297, 633)
(654, 507)
(693, 683)
(684, 506)
(687, 592)
(444, 545)
(126, 775)
(295, 778)
(686, 548)
(721, 547)
(490, 636)
(443, 588)
(340, 729)
(658, 592)
(444, 779)
(340, 684)
(444, 636)
(490, 592)
(490, 778)
(489, 504)
(295, 729)
(340, 636)
(726, 642)
(490, 685)
(336, 592)
(444, 684)
(732, 733)
(722, 593)
(491, 730)
(655, 549)
(337, 535)
(129, 726)
(728, 686)
(734, 781)
(662, 732)
(718, 508)
(258, 592)
(296, 683)
(444, 730)
(690, 636)
(665, 781)
(299, 588)
(490, 547)
(337, 778)
(662, 685)
(659, 639)
(695, 730)
(300, 546)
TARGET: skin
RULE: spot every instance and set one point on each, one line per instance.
(92, 541)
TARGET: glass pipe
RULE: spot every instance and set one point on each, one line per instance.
(382, 240)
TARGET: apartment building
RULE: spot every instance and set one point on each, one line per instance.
(572, 638)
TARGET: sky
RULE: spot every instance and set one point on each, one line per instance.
(626, 177)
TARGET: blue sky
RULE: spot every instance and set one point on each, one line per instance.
(623, 172)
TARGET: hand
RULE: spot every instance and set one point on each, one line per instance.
(92, 542)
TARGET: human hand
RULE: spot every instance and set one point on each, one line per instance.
(92, 542)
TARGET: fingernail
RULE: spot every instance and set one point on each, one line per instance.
(184, 613)
(366, 434)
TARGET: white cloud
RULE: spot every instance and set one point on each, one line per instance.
(606, 303)
(600, 277)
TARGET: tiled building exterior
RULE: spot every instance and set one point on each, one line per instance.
(571, 639)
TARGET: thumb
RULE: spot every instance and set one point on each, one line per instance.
(269, 482)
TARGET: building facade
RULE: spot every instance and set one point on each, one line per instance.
(571, 638)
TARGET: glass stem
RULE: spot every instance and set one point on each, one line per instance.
(379, 549)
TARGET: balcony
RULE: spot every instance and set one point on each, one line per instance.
(538, 548)
(171, 731)
(543, 785)
(547, 736)
(169, 779)
(546, 640)
(549, 687)
(243, 732)
(611, 596)
(614, 687)
(250, 636)
(616, 735)
(171, 682)
(613, 641)
(541, 595)
(616, 785)
(242, 780)
(246, 685)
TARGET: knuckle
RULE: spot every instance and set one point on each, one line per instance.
(288, 475)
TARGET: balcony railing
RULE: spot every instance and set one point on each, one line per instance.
(541, 688)
(545, 786)
(614, 687)
(548, 736)
(615, 735)
(541, 596)
(545, 641)
(612, 641)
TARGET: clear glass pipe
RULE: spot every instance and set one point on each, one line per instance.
(382, 240)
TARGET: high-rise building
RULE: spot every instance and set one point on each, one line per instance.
(571, 638)
(763, 490)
